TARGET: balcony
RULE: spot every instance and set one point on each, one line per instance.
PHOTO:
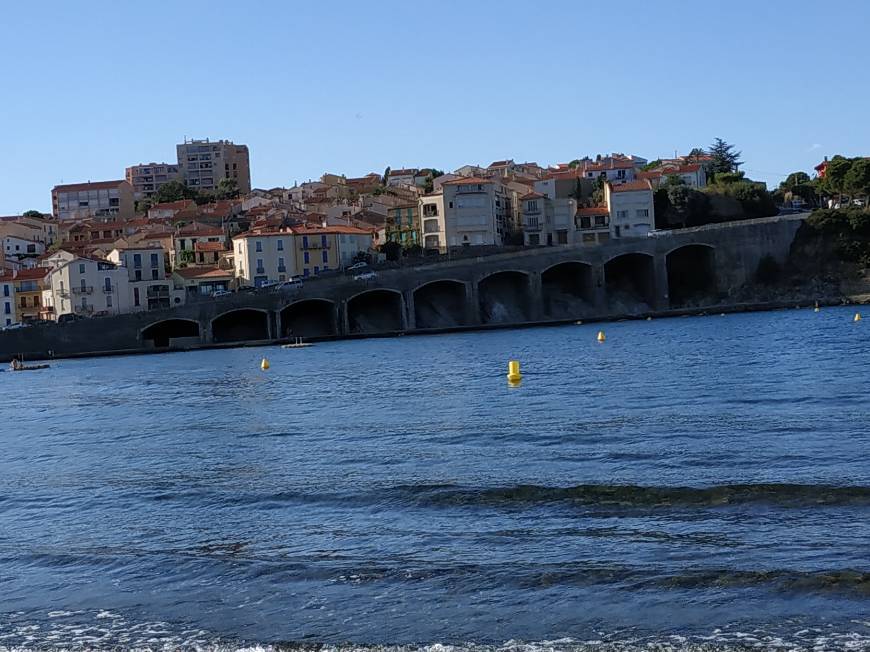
(316, 245)
(85, 289)
(261, 270)
(532, 227)
(158, 293)
(109, 289)
(281, 269)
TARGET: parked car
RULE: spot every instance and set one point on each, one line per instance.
(365, 276)
(68, 318)
(356, 267)
(16, 326)
(268, 284)
(220, 293)
(294, 283)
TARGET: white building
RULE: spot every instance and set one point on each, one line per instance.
(613, 170)
(87, 287)
(548, 221)
(146, 275)
(264, 256)
(693, 175)
(16, 248)
(631, 210)
(477, 212)
(434, 232)
(403, 177)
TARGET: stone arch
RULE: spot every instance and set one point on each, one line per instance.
(567, 289)
(504, 297)
(381, 310)
(308, 318)
(630, 282)
(440, 304)
(692, 275)
(240, 325)
(162, 333)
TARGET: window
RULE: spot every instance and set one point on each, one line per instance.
(323, 241)
(280, 245)
(305, 272)
(7, 308)
(83, 285)
(108, 301)
(316, 269)
(642, 212)
(325, 257)
(621, 214)
(532, 206)
(154, 260)
(600, 220)
(305, 257)
(585, 222)
(81, 268)
(259, 246)
(107, 284)
(136, 296)
(305, 242)
(240, 247)
(137, 261)
(138, 275)
(430, 210)
(281, 267)
(620, 174)
(5, 290)
(562, 237)
(23, 302)
(155, 274)
(260, 268)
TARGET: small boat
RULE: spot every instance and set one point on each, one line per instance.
(35, 367)
(297, 343)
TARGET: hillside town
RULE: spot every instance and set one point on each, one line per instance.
(117, 246)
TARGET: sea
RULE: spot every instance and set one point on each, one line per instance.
(694, 483)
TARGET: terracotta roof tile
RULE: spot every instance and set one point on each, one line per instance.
(631, 186)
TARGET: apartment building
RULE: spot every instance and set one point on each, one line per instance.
(631, 210)
(86, 286)
(593, 225)
(264, 256)
(548, 221)
(29, 285)
(146, 276)
(477, 212)
(204, 163)
(432, 215)
(16, 248)
(40, 229)
(693, 175)
(187, 238)
(101, 199)
(147, 178)
(7, 301)
(403, 224)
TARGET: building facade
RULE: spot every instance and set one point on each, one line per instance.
(146, 277)
(100, 199)
(630, 206)
(475, 212)
(86, 287)
(434, 236)
(264, 257)
(204, 163)
(403, 224)
(146, 179)
(7, 301)
(29, 285)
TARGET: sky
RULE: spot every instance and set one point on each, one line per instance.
(93, 86)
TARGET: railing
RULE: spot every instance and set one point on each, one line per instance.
(108, 289)
(87, 289)
(532, 227)
(316, 245)
(261, 270)
(282, 269)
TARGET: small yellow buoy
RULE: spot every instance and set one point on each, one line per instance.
(514, 375)
(857, 317)
(601, 336)
(264, 364)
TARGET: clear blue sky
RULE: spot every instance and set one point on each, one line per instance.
(93, 86)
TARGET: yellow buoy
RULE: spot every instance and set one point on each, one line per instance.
(857, 316)
(264, 364)
(601, 336)
(514, 375)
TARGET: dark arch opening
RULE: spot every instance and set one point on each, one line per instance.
(630, 283)
(692, 276)
(375, 311)
(440, 304)
(308, 318)
(504, 298)
(162, 333)
(240, 326)
(567, 290)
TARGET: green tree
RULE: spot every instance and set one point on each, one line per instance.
(835, 175)
(794, 179)
(573, 164)
(227, 189)
(173, 191)
(857, 180)
(386, 176)
(725, 159)
(32, 213)
(695, 155)
(652, 165)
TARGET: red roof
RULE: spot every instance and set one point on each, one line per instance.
(593, 211)
(209, 246)
(631, 186)
(203, 272)
(567, 174)
(531, 195)
(199, 229)
(173, 205)
(466, 180)
(407, 172)
(613, 165)
(500, 164)
(90, 185)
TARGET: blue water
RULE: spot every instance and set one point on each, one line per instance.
(692, 482)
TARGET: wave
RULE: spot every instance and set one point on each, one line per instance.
(797, 495)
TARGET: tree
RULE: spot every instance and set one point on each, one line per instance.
(695, 155)
(794, 179)
(227, 189)
(573, 164)
(31, 213)
(652, 165)
(578, 190)
(857, 179)
(725, 159)
(173, 191)
(835, 175)
(386, 176)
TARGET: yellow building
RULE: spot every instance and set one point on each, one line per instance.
(29, 284)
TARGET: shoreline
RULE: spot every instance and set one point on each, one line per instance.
(700, 311)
